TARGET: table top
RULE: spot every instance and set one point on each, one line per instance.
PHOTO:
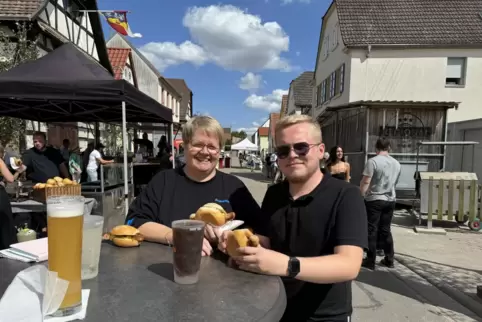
(137, 284)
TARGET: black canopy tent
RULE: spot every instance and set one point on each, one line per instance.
(68, 86)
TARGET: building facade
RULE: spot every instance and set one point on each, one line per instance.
(406, 60)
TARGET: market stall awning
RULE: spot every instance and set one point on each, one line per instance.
(244, 145)
(67, 85)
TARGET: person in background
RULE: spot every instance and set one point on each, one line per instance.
(75, 166)
(324, 162)
(44, 162)
(380, 177)
(162, 145)
(269, 169)
(85, 160)
(317, 229)
(64, 150)
(95, 158)
(146, 145)
(8, 233)
(177, 193)
(337, 166)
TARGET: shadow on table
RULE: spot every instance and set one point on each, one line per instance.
(165, 270)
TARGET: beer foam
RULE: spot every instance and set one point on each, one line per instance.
(65, 213)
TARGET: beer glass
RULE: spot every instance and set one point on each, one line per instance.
(65, 219)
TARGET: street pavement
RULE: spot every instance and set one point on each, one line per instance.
(404, 293)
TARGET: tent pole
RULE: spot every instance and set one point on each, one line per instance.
(172, 147)
(124, 146)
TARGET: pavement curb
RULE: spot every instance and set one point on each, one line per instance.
(454, 293)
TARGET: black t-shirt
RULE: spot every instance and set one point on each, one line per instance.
(42, 165)
(171, 196)
(333, 214)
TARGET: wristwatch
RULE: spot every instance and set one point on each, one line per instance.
(293, 267)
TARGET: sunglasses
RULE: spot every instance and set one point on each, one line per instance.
(301, 149)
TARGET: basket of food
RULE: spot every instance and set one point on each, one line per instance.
(56, 187)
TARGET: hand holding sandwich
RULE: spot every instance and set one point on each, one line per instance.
(262, 260)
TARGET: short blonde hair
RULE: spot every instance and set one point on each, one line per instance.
(207, 124)
(291, 120)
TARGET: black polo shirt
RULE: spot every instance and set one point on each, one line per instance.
(171, 196)
(42, 165)
(333, 214)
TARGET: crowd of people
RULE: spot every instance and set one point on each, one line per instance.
(313, 227)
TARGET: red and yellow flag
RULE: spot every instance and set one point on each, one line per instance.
(118, 21)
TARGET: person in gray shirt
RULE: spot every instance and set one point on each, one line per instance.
(380, 177)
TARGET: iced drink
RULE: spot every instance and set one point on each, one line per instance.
(188, 238)
(64, 227)
(91, 244)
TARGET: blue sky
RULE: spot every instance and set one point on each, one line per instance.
(238, 57)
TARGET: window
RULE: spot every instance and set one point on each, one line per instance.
(334, 38)
(327, 89)
(323, 91)
(456, 67)
(342, 79)
(326, 45)
(332, 84)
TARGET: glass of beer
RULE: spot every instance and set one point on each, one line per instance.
(65, 219)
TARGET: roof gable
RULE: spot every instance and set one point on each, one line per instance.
(118, 59)
(180, 85)
(410, 22)
(284, 105)
(302, 87)
(273, 119)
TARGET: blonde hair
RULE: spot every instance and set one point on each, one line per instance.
(207, 124)
(291, 120)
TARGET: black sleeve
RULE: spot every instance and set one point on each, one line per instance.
(27, 159)
(247, 209)
(351, 226)
(56, 157)
(146, 207)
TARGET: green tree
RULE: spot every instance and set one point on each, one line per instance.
(15, 49)
(239, 134)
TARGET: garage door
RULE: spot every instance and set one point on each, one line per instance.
(473, 135)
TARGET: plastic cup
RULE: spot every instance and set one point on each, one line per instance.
(64, 226)
(187, 238)
(91, 244)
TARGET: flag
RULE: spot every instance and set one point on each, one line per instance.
(118, 21)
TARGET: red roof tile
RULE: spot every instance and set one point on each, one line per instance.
(118, 60)
(19, 9)
(263, 131)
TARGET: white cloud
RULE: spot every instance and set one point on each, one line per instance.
(291, 1)
(270, 102)
(298, 53)
(256, 124)
(227, 36)
(250, 82)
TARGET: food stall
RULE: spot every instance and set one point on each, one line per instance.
(67, 86)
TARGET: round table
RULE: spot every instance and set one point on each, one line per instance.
(137, 284)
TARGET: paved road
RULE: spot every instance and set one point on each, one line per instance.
(386, 295)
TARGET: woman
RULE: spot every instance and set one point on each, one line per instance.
(8, 234)
(175, 194)
(95, 158)
(337, 166)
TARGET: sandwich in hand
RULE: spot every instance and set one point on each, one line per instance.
(17, 161)
(125, 236)
(213, 214)
(240, 238)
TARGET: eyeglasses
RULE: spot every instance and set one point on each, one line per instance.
(200, 146)
(301, 149)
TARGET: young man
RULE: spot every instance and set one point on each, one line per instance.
(315, 229)
(380, 177)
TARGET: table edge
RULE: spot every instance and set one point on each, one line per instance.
(275, 313)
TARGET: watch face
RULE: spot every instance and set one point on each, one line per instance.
(294, 266)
